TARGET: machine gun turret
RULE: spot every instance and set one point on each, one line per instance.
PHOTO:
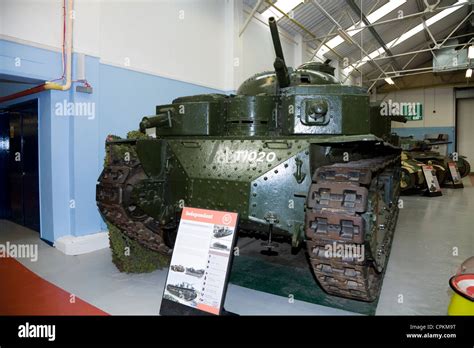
(161, 120)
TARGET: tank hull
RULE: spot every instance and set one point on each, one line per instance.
(254, 177)
(316, 191)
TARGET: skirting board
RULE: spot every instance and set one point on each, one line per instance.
(71, 245)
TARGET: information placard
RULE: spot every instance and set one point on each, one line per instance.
(199, 268)
(431, 181)
(455, 175)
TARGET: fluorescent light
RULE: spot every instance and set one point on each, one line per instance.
(415, 30)
(284, 5)
(354, 29)
(468, 73)
(470, 52)
(385, 10)
(389, 81)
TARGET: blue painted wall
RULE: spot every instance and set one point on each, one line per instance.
(419, 133)
(126, 96)
(72, 148)
(35, 63)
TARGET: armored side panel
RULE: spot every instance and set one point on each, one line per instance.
(325, 109)
(379, 125)
(250, 115)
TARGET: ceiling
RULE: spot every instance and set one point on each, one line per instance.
(317, 25)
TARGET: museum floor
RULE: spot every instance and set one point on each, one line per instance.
(429, 232)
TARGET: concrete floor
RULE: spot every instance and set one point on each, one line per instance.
(416, 281)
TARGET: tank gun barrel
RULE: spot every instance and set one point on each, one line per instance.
(160, 120)
(401, 119)
(281, 69)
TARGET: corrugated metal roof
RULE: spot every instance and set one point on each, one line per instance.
(314, 20)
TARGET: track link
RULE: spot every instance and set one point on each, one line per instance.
(113, 195)
(351, 213)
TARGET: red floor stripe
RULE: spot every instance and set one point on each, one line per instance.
(22, 292)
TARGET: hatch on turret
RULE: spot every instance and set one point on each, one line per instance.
(311, 73)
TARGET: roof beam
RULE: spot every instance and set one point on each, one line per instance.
(374, 32)
(419, 5)
(415, 30)
(419, 50)
(343, 33)
(457, 27)
(249, 18)
(393, 20)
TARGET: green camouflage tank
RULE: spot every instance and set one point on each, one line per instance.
(295, 153)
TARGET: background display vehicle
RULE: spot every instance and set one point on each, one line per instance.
(422, 151)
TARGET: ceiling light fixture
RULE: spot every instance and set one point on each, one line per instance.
(470, 52)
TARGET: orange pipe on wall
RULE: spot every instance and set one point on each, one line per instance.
(52, 85)
(26, 92)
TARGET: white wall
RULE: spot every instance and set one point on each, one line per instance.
(438, 106)
(153, 36)
(466, 126)
(37, 21)
(258, 52)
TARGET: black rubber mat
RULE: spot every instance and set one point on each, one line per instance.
(286, 275)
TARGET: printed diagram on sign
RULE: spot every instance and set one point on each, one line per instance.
(183, 291)
(177, 268)
(194, 272)
(221, 231)
(221, 245)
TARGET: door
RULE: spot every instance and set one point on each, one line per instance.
(31, 213)
(4, 159)
(15, 169)
(22, 167)
(465, 129)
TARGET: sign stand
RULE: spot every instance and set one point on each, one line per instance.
(455, 176)
(433, 189)
(199, 271)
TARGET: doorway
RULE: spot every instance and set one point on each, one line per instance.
(19, 174)
(465, 128)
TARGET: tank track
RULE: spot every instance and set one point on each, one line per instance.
(352, 206)
(113, 195)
